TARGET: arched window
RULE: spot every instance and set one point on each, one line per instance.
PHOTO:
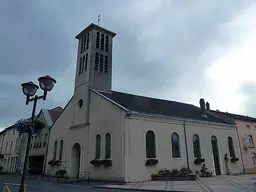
(45, 139)
(102, 42)
(196, 146)
(87, 42)
(98, 146)
(106, 64)
(251, 141)
(98, 40)
(106, 45)
(175, 145)
(61, 150)
(108, 146)
(231, 147)
(254, 158)
(150, 145)
(55, 150)
(96, 61)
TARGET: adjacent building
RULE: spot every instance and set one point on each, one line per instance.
(246, 130)
(13, 145)
(113, 135)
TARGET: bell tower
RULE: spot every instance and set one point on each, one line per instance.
(93, 68)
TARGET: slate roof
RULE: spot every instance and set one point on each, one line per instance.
(232, 116)
(160, 107)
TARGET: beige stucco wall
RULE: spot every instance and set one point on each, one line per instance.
(104, 117)
(60, 131)
(136, 128)
(243, 131)
(10, 150)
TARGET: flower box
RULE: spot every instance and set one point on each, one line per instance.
(173, 178)
(234, 159)
(52, 162)
(199, 160)
(95, 162)
(106, 162)
(151, 162)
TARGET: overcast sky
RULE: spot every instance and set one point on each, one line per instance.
(180, 50)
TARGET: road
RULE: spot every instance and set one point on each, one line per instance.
(45, 186)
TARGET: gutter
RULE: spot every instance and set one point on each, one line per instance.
(186, 143)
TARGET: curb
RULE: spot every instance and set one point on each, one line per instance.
(134, 189)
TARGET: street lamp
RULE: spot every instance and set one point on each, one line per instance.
(46, 83)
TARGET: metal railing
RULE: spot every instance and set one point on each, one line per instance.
(7, 189)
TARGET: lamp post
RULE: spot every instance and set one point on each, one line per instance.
(46, 83)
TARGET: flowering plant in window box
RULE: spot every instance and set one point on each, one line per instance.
(95, 162)
(226, 158)
(234, 159)
(151, 162)
(1, 156)
(57, 162)
(106, 162)
(52, 162)
(199, 160)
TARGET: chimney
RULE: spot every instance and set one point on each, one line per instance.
(207, 105)
(202, 107)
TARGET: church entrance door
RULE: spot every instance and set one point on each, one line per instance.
(75, 161)
(215, 151)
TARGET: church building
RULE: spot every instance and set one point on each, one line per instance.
(115, 135)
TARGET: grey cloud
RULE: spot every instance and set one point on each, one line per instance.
(38, 38)
(249, 104)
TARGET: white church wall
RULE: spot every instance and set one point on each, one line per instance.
(106, 117)
(136, 128)
(60, 131)
(205, 132)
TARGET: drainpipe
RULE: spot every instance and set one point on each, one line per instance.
(186, 143)
(242, 158)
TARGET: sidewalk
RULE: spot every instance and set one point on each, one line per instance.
(240, 183)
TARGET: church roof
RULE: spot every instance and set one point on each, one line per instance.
(149, 105)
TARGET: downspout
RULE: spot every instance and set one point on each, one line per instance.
(242, 158)
(186, 144)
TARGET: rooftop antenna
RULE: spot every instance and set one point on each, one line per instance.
(99, 20)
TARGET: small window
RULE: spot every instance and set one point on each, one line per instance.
(101, 62)
(254, 159)
(106, 64)
(80, 103)
(80, 66)
(98, 40)
(13, 131)
(98, 146)
(96, 61)
(55, 150)
(248, 126)
(251, 141)
(231, 147)
(150, 145)
(106, 44)
(102, 42)
(83, 64)
(86, 60)
(196, 146)
(108, 146)
(87, 44)
(61, 150)
(175, 145)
